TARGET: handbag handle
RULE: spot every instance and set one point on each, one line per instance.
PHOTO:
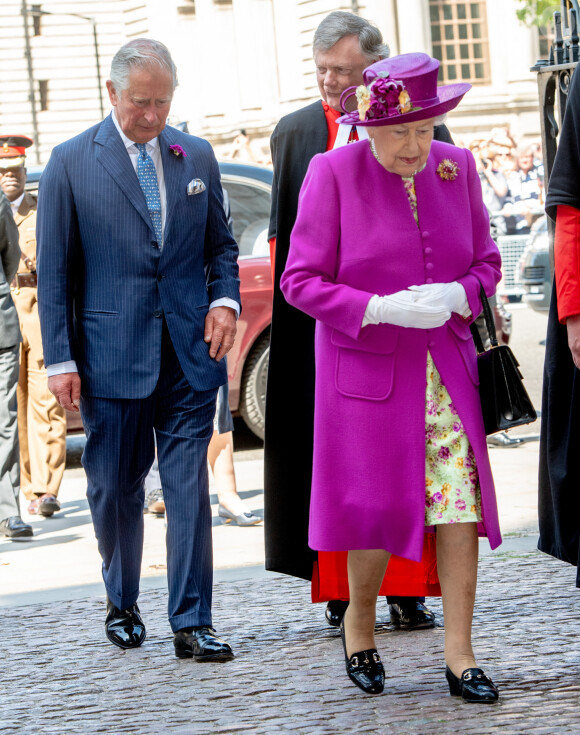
(489, 323)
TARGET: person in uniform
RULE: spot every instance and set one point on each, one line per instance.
(41, 421)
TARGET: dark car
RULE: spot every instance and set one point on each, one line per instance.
(248, 188)
(535, 274)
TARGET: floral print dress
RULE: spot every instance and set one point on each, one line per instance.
(452, 493)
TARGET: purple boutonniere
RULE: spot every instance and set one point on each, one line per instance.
(177, 150)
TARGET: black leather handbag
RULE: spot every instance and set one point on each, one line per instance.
(504, 400)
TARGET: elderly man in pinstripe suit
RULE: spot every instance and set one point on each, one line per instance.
(138, 295)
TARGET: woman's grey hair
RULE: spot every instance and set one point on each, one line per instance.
(142, 53)
(339, 24)
(440, 119)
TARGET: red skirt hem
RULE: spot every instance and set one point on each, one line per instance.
(404, 578)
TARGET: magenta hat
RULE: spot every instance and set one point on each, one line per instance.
(398, 90)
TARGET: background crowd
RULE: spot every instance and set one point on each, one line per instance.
(512, 180)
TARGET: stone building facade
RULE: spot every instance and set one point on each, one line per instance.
(244, 63)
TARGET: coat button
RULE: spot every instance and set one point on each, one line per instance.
(160, 277)
(428, 251)
(154, 243)
(426, 234)
(429, 266)
(157, 313)
(428, 280)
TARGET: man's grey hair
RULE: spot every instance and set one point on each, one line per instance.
(142, 53)
(339, 24)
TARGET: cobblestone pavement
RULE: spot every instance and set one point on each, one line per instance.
(59, 674)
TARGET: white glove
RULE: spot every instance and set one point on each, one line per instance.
(452, 295)
(405, 309)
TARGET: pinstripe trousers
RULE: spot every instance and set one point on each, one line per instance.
(117, 457)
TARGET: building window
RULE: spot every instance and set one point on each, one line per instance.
(460, 41)
(36, 28)
(186, 7)
(43, 94)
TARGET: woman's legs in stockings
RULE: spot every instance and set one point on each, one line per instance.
(366, 569)
(457, 553)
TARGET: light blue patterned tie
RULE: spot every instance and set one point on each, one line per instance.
(147, 176)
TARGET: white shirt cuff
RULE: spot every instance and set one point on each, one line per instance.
(58, 368)
(225, 301)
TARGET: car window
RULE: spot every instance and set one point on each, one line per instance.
(250, 211)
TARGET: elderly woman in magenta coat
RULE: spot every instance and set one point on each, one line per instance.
(388, 253)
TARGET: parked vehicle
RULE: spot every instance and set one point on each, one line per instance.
(248, 188)
(535, 275)
(511, 248)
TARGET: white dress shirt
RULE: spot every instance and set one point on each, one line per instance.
(154, 152)
(15, 205)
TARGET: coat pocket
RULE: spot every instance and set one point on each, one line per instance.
(365, 368)
(466, 346)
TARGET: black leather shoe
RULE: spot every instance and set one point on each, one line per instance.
(364, 668)
(14, 527)
(334, 612)
(124, 628)
(473, 686)
(412, 615)
(202, 644)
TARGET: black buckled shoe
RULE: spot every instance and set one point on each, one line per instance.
(473, 686)
(124, 628)
(364, 668)
(411, 615)
(202, 644)
(334, 612)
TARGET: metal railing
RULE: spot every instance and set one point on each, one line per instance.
(511, 248)
(554, 75)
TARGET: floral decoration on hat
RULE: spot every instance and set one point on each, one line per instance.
(177, 150)
(383, 97)
(448, 170)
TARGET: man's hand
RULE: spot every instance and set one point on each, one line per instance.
(573, 326)
(66, 388)
(220, 331)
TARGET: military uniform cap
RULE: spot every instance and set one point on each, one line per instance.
(13, 150)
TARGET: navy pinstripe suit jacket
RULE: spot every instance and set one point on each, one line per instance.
(103, 283)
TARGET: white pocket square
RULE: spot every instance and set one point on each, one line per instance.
(195, 186)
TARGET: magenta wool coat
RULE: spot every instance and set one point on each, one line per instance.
(355, 236)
